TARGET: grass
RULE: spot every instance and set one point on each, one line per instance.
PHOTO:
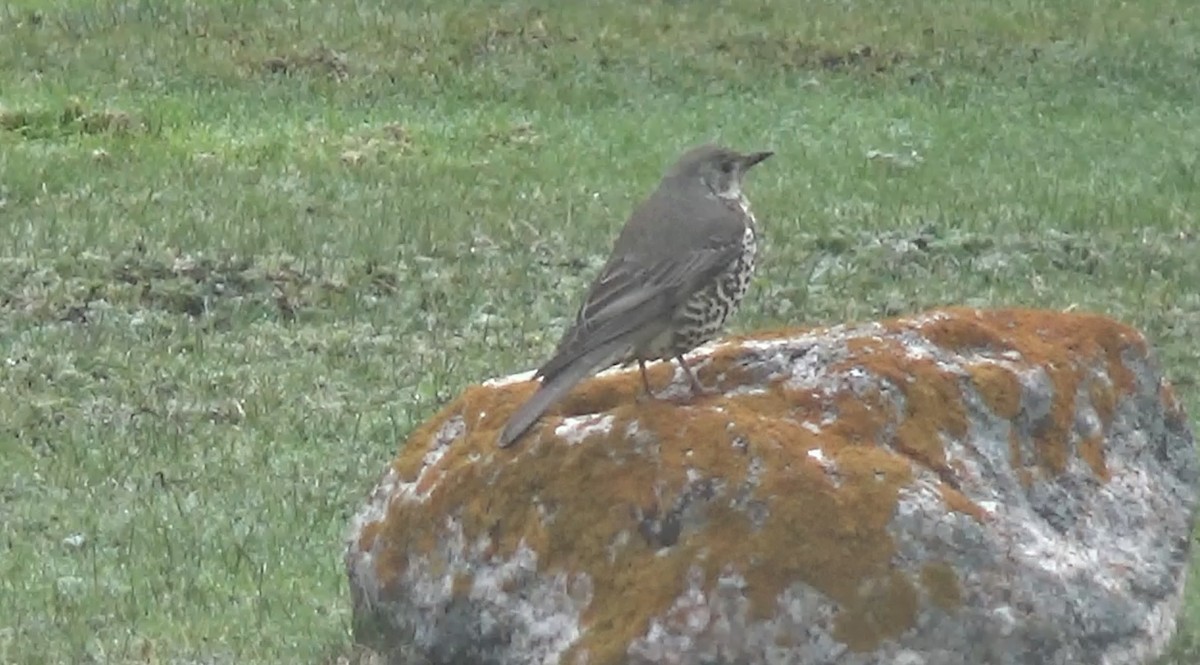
(246, 246)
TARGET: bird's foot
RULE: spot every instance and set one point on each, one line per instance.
(685, 399)
(695, 392)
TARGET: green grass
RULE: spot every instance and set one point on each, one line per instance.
(246, 246)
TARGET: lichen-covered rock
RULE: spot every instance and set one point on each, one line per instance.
(1002, 487)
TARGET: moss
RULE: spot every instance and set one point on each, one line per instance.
(830, 536)
(960, 503)
(933, 401)
(1104, 400)
(1166, 395)
(769, 335)
(411, 460)
(879, 611)
(368, 534)
(941, 583)
(966, 331)
(999, 387)
(462, 584)
(1091, 451)
(1067, 346)
(1018, 460)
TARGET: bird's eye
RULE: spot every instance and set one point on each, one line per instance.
(727, 167)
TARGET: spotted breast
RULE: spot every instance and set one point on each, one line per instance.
(703, 316)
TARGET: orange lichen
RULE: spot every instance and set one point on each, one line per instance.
(1166, 395)
(999, 388)
(832, 536)
(768, 335)
(1091, 451)
(960, 503)
(1066, 346)
(831, 539)
(858, 419)
(462, 584)
(1017, 460)
(964, 331)
(1104, 400)
(880, 608)
(941, 583)
(411, 459)
(932, 399)
(725, 368)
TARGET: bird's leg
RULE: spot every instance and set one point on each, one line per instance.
(697, 389)
(649, 393)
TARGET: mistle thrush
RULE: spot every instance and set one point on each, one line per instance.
(678, 269)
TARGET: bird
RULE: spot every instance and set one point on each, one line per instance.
(678, 269)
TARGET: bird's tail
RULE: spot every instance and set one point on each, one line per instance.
(556, 387)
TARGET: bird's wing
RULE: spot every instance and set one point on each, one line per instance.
(629, 296)
(636, 287)
(707, 244)
(627, 284)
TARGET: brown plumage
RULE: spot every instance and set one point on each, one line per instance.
(677, 271)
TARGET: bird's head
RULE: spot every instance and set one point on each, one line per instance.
(719, 168)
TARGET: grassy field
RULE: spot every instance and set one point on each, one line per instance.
(246, 246)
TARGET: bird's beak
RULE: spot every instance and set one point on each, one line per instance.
(756, 157)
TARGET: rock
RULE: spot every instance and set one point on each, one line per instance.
(965, 486)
